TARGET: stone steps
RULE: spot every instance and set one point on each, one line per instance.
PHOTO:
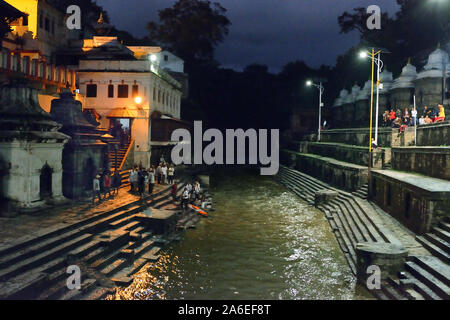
(40, 259)
(438, 287)
(353, 220)
(420, 287)
(109, 242)
(433, 248)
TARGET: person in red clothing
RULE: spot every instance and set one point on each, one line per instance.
(174, 190)
(392, 115)
(107, 184)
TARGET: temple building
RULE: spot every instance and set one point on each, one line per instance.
(84, 154)
(31, 150)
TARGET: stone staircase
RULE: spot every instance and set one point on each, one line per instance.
(362, 192)
(121, 153)
(109, 248)
(438, 241)
(354, 220)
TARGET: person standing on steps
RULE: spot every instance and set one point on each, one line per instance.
(141, 183)
(116, 182)
(151, 181)
(96, 189)
(184, 199)
(158, 173)
(174, 190)
(171, 173)
(164, 173)
(107, 184)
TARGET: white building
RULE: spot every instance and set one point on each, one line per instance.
(129, 88)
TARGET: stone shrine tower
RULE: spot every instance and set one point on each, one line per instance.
(402, 89)
(30, 151)
(83, 155)
(429, 83)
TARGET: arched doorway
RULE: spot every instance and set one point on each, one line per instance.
(45, 182)
(89, 173)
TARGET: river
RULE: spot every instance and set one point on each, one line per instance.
(262, 242)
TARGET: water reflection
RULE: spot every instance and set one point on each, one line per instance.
(262, 242)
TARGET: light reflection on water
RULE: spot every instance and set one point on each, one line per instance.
(262, 242)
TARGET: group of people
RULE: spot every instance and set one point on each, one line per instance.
(106, 185)
(191, 194)
(142, 177)
(402, 119)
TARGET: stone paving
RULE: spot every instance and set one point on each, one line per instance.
(22, 227)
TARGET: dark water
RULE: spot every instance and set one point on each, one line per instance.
(262, 242)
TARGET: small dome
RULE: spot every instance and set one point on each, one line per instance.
(437, 60)
(387, 80)
(406, 78)
(364, 93)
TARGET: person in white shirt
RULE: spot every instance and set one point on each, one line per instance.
(171, 173)
(164, 174)
(96, 189)
(422, 120)
(185, 199)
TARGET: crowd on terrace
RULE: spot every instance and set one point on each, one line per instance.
(402, 119)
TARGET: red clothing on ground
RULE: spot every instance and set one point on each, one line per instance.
(174, 189)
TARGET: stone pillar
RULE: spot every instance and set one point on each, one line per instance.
(389, 258)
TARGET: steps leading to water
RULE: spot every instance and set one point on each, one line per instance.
(112, 244)
(353, 219)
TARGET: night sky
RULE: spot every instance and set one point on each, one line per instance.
(271, 32)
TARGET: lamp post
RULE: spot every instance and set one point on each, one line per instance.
(379, 64)
(321, 90)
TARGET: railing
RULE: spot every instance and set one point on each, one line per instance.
(130, 146)
(34, 69)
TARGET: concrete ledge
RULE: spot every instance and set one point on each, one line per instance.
(353, 136)
(431, 161)
(348, 153)
(418, 202)
(342, 174)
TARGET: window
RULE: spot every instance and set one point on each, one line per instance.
(122, 91)
(47, 24)
(407, 205)
(53, 27)
(41, 20)
(110, 91)
(159, 95)
(154, 94)
(91, 90)
(135, 90)
(166, 57)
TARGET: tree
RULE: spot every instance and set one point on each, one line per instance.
(191, 29)
(415, 30)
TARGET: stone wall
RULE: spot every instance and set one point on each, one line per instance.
(434, 135)
(353, 136)
(428, 92)
(417, 204)
(401, 98)
(343, 175)
(430, 161)
(348, 153)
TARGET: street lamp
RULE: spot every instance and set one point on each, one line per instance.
(379, 63)
(319, 86)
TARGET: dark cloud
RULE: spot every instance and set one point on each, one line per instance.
(271, 32)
